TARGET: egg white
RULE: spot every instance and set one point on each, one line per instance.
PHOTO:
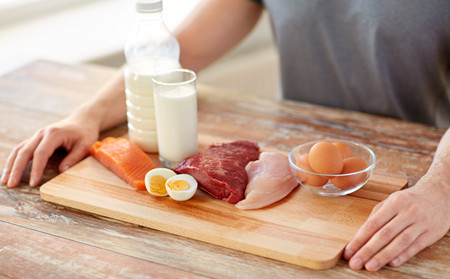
(182, 195)
(166, 173)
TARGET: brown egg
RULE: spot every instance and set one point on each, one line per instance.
(352, 164)
(325, 158)
(345, 150)
(308, 178)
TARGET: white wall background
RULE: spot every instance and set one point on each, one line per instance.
(80, 31)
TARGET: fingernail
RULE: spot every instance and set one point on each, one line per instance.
(348, 254)
(64, 168)
(372, 265)
(33, 182)
(395, 261)
(11, 182)
(356, 263)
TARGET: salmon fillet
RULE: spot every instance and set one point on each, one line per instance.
(124, 158)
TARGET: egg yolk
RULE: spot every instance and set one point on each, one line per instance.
(178, 185)
(157, 185)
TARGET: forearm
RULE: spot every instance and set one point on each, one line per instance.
(107, 108)
(213, 29)
(438, 175)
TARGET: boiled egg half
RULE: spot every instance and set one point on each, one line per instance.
(181, 187)
(155, 181)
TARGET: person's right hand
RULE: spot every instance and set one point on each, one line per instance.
(73, 135)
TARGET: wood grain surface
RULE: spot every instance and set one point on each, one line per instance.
(44, 240)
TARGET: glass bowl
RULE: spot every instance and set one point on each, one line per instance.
(332, 184)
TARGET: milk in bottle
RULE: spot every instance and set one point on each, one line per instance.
(150, 48)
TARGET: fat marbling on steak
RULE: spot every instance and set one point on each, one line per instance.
(220, 169)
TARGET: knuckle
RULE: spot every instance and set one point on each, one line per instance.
(367, 252)
(24, 152)
(40, 133)
(17, 148)
(375, 208)
(398, 200)
(354, 244)
(386, 233)
(405, 239)
(372, 225)
(39, 153)
(51, 131)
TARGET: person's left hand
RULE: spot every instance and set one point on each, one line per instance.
(401, 226)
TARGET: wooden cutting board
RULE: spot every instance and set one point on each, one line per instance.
(303, 229)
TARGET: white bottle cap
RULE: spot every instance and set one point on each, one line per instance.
(149, 6)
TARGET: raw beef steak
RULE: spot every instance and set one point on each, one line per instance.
(220, 169)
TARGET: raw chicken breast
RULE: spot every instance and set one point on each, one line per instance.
(270, 180)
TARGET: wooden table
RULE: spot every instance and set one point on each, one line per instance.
(43, 240)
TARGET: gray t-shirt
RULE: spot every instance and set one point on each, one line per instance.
(387, 57)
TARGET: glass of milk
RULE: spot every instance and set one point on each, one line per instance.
(140, 104)
(175, 98)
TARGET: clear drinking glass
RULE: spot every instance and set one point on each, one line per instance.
(175, 97)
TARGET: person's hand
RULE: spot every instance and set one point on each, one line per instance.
(401, 226)
(73, 135)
